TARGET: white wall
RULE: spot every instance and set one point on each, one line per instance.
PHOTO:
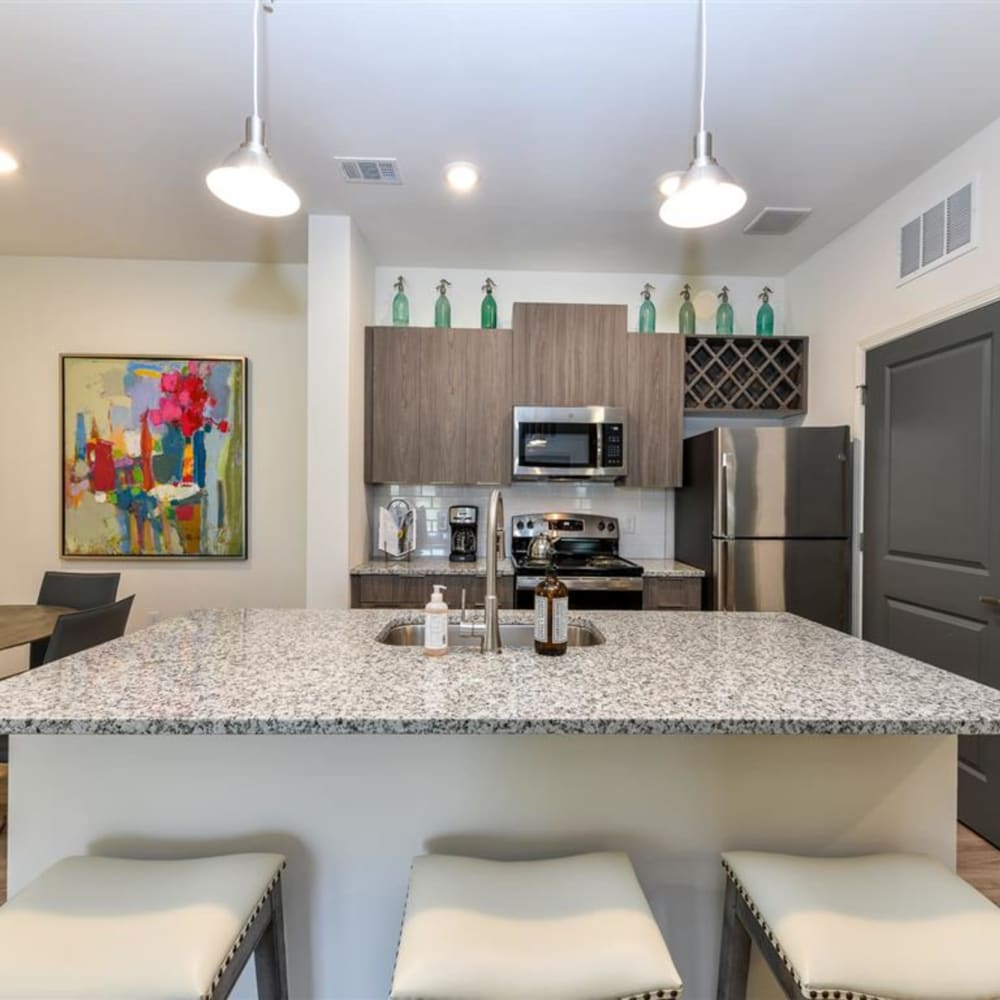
(53, 305)
(340, 306)
(572, 286)
(845, 295)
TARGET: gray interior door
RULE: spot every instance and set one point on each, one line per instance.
(932, 519)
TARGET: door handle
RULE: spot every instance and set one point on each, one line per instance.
(992, 601)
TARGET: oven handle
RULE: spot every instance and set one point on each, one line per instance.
(584, 582)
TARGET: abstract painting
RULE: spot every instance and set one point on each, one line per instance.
(154, 457)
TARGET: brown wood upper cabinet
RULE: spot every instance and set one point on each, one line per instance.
(569, 355)
(655, 409)
(437, 405)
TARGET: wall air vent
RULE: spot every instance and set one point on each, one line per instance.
(937, 235)
(370, 169)
(776, 221)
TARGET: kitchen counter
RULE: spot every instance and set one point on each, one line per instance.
(670, 568)
(428, 566)
(322, 672)
(440, 566)
(293, 731)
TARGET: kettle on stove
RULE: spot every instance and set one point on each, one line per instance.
(542, 547)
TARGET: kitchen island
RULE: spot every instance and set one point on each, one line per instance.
(682, 735)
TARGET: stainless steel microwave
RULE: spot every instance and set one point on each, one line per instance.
(569, 442)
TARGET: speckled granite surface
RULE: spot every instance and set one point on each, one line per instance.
(428, 566)
(668, 567)
(312, 671)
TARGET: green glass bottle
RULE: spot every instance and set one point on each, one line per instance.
(647, 311)
(765, 314)
(488, 310)
(400, 305)
(442, 308)
(724, 314)
(685, 320)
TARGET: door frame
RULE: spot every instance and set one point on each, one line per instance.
(958, 307)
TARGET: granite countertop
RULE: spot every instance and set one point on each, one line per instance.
(440, 566)
(668, 568)
(314, 671)
(428, 566)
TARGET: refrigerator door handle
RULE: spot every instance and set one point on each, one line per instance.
(728, 498)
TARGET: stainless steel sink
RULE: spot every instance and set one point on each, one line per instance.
(512, 635)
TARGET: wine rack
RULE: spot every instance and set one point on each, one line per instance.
(737, 376)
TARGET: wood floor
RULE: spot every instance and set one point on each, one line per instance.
(978, 860)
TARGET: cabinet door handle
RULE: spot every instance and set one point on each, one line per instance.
(992, 601)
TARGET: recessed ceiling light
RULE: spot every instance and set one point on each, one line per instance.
(461, 176)
(8, 164)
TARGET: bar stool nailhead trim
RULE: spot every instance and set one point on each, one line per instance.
(241, 937)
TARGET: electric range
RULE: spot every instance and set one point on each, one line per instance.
(586, 560)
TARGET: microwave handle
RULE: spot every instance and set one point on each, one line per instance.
(600, 445)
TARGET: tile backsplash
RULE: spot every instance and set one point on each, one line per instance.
(645, 517)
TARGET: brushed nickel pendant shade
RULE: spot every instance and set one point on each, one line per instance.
(248, 179)
(705, 193)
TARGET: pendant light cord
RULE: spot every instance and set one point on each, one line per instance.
(256, 57)
(704, 63)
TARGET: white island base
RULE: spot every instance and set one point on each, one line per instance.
(350, 812)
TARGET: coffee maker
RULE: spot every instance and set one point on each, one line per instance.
(463, 520)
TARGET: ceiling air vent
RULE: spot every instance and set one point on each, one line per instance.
(370, 169)
(941, 232)
(776, 221)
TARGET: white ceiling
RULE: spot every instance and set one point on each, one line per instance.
(572, 110)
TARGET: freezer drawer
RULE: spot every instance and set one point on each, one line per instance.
(811, 578)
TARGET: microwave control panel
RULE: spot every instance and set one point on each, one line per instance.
(614, 457)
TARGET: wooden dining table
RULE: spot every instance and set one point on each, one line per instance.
(24, 623)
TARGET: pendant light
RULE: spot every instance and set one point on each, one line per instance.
(248, 179)
(704, 194)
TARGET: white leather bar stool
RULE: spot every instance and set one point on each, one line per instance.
(880, 927)
(93, 928)
(576, 928)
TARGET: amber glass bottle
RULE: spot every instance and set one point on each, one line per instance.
(551, 615)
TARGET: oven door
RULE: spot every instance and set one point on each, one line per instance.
(584, 442)
(593, 593)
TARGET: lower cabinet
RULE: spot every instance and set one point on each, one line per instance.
(387, 590)
(671, 594)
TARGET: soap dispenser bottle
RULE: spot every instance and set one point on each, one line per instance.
(488, 311)
(436, 624)
(724, 314)
(551, 613)
(442, 308)
(400, 305)
(647, 311)
(685, 319)
(765, 314)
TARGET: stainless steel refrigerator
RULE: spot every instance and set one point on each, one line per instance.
(766, 512)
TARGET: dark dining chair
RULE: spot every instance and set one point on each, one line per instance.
(73, 590)
(79, 630)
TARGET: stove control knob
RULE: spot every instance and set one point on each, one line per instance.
(600, 525)
(531, 525)
(520, 525)
(611, 525)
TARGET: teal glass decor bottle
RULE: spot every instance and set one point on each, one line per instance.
(400, 305)
(765, 314)
(647, 311)
(442, 308)
(724, 314)
(488, 310)
(685, 320)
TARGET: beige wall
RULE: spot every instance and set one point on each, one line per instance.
(53, 305)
